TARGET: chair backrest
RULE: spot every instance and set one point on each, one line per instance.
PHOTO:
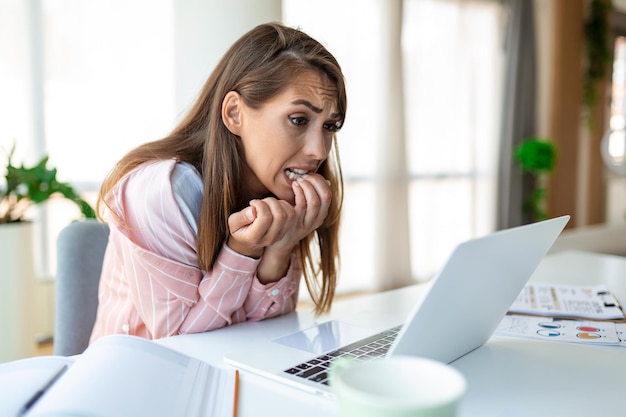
(80, 252)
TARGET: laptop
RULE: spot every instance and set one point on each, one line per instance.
(463, 305)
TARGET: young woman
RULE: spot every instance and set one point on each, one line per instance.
(217, 223)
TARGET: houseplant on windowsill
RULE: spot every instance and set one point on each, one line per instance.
(22, 187)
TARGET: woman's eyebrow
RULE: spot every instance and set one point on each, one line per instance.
(313, 108)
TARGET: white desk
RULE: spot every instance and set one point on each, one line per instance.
(505, 376)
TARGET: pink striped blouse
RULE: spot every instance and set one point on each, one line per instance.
(151, 285)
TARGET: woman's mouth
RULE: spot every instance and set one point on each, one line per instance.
(294, 173)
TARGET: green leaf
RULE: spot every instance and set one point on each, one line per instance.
(35, 185)
(536, 156)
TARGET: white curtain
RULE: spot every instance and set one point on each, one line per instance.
(420, 144)
(454, 60)
(392, 264)
(519, 115)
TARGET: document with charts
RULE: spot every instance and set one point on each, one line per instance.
(588, 302)
(562, 330)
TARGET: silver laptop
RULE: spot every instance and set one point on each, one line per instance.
(461, 309)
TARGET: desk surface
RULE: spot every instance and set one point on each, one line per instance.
(506, 377)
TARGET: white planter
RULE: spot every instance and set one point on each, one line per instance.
(17, 292)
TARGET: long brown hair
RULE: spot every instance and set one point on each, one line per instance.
(258, 66)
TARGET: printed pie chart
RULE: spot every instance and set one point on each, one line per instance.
(587, 329)
(550, 325)
(548, 332)
(588, 335)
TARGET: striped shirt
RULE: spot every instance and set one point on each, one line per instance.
(151, 285)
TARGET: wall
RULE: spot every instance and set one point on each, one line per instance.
(204, 29)
(580, 185)
(544, 12)
(597, 192)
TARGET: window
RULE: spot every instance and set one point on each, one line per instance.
(85, 84)
(453, 66)
(451, 61)
(87, 81)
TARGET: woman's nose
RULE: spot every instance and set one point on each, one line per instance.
(317, 145)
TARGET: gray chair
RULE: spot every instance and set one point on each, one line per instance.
(80, 252)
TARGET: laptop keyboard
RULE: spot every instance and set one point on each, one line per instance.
(372, 347)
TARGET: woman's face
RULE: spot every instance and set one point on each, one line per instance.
(288, 136)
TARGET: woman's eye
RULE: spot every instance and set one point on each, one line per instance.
(298, 120)
(334, 126)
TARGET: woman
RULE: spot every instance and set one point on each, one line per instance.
(216, 223)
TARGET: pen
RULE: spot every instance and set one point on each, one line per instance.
(41, 391)
(236, 396)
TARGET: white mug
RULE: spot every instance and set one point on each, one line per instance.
(398, 386)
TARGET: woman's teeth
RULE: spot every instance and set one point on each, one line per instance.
(294, 173)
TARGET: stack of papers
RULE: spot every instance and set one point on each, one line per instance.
(566, 313)
(586, 302)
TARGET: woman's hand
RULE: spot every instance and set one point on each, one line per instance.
(312, 200)
(260, 225)
(272, 228)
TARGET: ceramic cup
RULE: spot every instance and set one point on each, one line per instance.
(399, 386)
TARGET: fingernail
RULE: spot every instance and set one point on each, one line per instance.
(328, 182)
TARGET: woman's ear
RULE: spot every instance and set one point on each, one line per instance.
(231, 112)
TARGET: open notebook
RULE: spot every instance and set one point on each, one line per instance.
(117, 376)
(465, 303)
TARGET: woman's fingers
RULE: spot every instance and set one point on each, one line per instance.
(241, 219)
(273, 222)
(317, 196)
(275, 218)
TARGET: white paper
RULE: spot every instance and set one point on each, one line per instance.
(592, 302)
(125, 376)
(20, 379)
(560, 330)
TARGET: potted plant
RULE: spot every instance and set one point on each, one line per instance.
(21, 188)
(537, 159)
(24, 187)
